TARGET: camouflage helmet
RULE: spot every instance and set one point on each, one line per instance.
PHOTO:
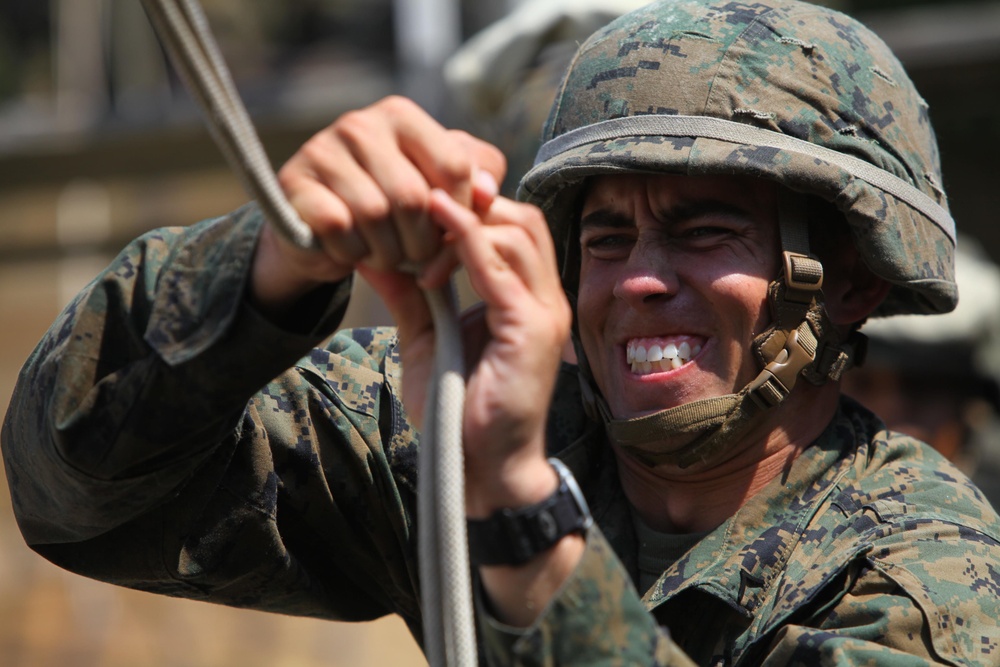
(777, 89)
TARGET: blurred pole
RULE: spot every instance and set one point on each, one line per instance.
(80, 77)
(427, 32)
(138, 71)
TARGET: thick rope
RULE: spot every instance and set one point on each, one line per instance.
(446, 590)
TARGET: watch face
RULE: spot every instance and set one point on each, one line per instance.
(547, 525)
(566, 479)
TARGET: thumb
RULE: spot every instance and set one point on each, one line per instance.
(403, 299)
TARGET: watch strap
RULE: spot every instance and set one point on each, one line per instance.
(515, 536)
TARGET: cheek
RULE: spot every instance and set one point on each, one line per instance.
(743, 313)
(593, 303)
(592, 296)
(743, 302)
(588, 317)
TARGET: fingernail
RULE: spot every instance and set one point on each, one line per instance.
(441, 197)
(485, 183)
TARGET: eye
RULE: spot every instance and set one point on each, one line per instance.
(607, 244)
(703, 232)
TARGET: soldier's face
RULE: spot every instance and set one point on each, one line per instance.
(673, 285)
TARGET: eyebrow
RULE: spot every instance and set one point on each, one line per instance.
(603, 218)
(676, 214)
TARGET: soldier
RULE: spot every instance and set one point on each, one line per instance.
(936, 378)
(731, 189)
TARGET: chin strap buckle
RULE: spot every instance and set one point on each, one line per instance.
(803, 276)
(778, 378)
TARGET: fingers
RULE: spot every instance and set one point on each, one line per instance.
(508, 254)
(513, 345)
(378, 141)
(404, 301)
(328, 215)
(489, 171)
(379, 166)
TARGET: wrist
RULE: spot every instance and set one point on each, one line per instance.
(515, 536)
(516, 596)
(510, 485)
(279, 276)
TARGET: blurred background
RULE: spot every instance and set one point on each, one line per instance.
(99, 143)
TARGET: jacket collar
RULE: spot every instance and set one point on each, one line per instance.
(740, 561)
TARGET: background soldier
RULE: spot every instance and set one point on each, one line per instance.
(935, 378)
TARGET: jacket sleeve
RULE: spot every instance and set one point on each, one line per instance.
(165, 437)
(597, 618)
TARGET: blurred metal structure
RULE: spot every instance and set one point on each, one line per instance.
(952, 52)
(427, 32)
(115, 108)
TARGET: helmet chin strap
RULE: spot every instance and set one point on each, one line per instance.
(801, 341)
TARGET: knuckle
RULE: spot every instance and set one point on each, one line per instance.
(456, 171)
(410, 200)
(374, 207)
(533, 214)
(493, 159)
(328, 224)
(486, 155)
(397, 104)
(313, 152)
(530, 217)
(288, 175)
(521, 237)
(567, 313)
(353, 127)
(455, 167)
(463, 137)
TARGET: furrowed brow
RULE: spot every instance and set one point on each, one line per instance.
(703, 208)
(604, 219)
(678, 213)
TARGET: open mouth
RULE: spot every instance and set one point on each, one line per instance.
(656, 355)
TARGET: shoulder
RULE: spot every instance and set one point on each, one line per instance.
(359, 373)
(900, 478)
(914, 542)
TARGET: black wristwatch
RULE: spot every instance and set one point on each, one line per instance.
(515, 536)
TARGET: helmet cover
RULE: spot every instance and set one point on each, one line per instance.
(776, 89)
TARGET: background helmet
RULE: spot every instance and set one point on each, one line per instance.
(777, 89)
(502, 80)
(938, 378)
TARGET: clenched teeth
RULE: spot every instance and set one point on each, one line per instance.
(654, 358)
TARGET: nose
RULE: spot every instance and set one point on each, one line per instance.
(648, 276)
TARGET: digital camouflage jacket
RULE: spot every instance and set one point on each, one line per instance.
(165, 437)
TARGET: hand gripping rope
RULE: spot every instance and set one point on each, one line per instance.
(446, 591)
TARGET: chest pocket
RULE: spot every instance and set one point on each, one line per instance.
(354, 386)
